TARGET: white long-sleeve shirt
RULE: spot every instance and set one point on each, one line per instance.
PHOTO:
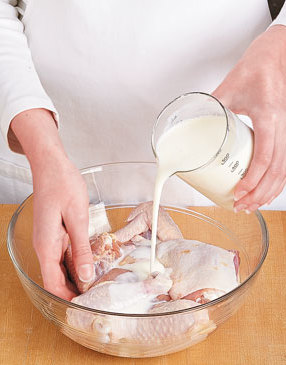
(107, 68)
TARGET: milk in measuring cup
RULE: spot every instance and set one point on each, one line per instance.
(208, 154)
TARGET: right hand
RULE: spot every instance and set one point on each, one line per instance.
(256, 87)
(60, 196)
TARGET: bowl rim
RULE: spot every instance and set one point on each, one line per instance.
(13, 220)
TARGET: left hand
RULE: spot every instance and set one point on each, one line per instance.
(256, 87)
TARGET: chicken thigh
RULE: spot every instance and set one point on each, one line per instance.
(201, 269)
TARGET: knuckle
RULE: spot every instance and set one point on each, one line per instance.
(276, 173)
(277, 170)
(249, 184)
(258, 197)
(81, 251)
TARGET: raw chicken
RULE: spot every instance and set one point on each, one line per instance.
(188, 273)
(140, 220)
(107, 248)
(123, 295)
(203, 270)
(196, 324)
(133, 297)
(205, 295)
(138, 260)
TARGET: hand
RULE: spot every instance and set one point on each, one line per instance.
(257, 87)
(60, 195)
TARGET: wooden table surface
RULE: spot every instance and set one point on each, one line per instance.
(256, 334)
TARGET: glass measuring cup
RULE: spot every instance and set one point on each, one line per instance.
(225, 148)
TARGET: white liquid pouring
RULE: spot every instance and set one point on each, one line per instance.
(191, 144)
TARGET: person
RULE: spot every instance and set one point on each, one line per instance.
(101, 72)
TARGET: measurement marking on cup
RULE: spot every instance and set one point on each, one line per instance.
(225, 159)
(178, 133)
(244, 173)
(235, 166)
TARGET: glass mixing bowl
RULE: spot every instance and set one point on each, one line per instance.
(120, 187)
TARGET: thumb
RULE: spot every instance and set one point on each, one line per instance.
(76, 222)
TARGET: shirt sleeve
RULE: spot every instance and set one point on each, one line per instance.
(20, 86)
(281, 17)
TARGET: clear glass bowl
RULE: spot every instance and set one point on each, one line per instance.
(120, 187)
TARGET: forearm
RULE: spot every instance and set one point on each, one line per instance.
(37, 133)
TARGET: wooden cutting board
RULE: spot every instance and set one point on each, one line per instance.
(255, 335)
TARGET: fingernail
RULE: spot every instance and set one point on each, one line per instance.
(252, 208)
(86, 273)
(239, 195)
(239, 207)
